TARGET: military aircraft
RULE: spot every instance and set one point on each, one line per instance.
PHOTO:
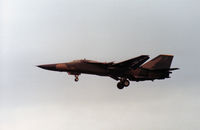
(129, 70)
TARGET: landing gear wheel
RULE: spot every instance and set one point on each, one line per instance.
(126, 83)
(120, 85)
(76, 78)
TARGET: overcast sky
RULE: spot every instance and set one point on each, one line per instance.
(34, 32)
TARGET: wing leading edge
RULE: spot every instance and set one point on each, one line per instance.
(132, 63)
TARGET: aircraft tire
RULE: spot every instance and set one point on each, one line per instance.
(120, 85)
(126, 83)
(76, 79)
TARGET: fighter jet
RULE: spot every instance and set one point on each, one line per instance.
(134, 69)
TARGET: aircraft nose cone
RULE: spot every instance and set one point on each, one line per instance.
(48, 67)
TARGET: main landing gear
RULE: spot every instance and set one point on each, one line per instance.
(123, 83)
(76, 78)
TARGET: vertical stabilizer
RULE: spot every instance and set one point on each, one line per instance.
(158, 63)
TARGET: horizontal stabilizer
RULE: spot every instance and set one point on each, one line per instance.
(169, 69)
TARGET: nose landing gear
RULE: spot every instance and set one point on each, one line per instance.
(76, 78)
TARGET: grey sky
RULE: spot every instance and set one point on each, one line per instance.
(45, 31)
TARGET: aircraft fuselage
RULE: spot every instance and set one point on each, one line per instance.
(77, 67)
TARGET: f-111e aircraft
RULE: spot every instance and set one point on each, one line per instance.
(134, 69)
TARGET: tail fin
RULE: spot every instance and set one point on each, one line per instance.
(159, 63)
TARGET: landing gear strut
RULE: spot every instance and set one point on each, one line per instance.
(76, 78)
(123, 83)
